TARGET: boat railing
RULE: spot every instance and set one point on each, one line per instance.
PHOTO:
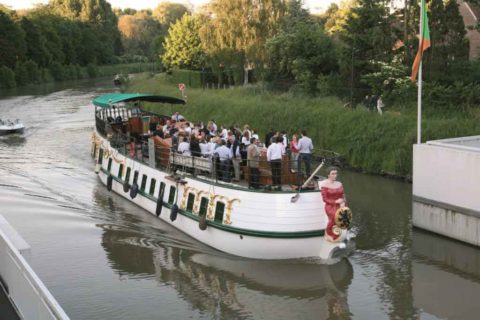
(31, 298)
(292, 170)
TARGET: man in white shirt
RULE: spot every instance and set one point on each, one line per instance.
(177, 117)
(224, 155)
(184, 147)
(274, 156)
(305, 148)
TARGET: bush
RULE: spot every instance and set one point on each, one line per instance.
(57, 71)
(34, 74)
(7, 77)
(92, 70)
(191, 78)
(21, 74)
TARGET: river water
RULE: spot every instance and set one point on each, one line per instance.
(105, 258)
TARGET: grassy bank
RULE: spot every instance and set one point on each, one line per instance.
(368, 141)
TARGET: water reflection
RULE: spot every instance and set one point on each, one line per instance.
(228, 287)
(13, 140)
(446, 276)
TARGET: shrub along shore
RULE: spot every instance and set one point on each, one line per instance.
(367, 141)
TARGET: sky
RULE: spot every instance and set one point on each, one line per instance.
(315, 6)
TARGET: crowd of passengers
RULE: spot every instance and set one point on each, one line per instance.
(235, 147)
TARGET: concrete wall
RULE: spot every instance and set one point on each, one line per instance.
(448, 171)
(446, 188)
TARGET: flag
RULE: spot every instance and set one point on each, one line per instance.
(424, 38)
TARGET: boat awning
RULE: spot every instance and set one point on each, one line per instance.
(113, 98)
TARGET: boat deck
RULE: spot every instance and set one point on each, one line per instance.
(7, 311)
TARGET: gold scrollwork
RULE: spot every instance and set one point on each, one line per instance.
(198, 200)
(183, 203)
(228, 215)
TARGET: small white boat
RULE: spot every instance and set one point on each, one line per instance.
(11, 126)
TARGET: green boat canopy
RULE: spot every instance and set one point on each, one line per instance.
(113, 98)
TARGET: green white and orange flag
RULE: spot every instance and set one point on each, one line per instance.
(424, 38)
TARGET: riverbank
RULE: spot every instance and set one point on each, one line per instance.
(368, 142)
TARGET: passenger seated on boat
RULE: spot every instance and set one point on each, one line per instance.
(224, 157)
(206, 147)
(184, 146)
(195, 146)
(118, 119)
(159, 131)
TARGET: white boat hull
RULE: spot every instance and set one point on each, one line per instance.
(260, 225)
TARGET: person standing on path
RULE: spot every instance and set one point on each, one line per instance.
(380, 105)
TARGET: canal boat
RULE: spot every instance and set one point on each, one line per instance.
(11, 126)
(185, 191)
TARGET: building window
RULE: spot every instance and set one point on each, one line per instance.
(219, 209)
(203, 207)
(120, 171)
(171, 196)
(109, 165)
(190, 201)
(144, 182)
(153, 182)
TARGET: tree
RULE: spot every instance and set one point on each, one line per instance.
(183, 47)
(12, 40)
(335, 18)
(138, 32)
(241, 27)
(301, 50)
(99, 15)
(35, 42)
(167, 13)
(369, 35)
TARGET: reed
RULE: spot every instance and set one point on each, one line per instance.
(367, 141)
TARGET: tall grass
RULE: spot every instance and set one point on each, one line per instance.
(367, 141)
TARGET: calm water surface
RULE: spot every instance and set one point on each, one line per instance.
(105, 258)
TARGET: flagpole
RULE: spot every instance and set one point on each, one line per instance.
(419, 107)
(419, 94)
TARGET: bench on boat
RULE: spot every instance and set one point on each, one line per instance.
(199, 163)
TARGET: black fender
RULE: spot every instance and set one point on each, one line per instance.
(133, 190)
(202, 222)
(158, 210)
(109, 182)
(173, 212)
(126, 186)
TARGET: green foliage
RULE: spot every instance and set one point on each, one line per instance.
(21, 74)
(190, 78)
(167, 13)
(369, 35)
(383, 81)
(33, 72)
(92, 71)
(183, 47)
(241, 29)
(57, 71)
(12, 40)
(7, 77)
(301, 50)
(137, 34)
(376, 144)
